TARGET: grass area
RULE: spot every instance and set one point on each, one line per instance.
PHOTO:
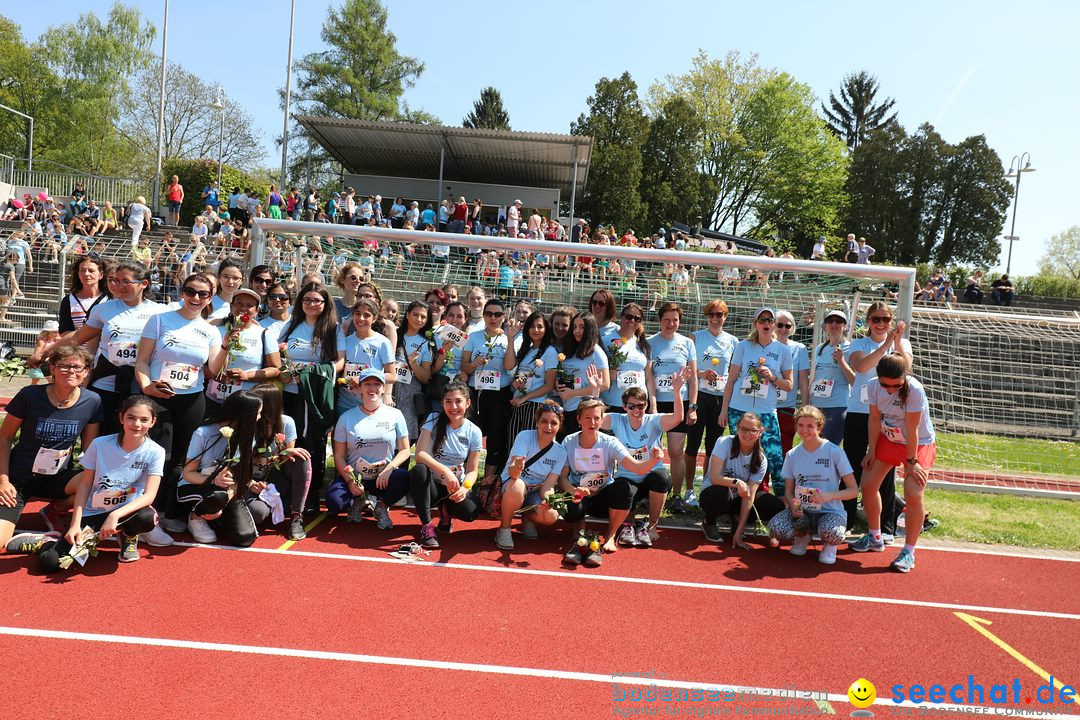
(987, 453)
(1005, 519)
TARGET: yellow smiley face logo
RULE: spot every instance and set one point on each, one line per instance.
(862, 693)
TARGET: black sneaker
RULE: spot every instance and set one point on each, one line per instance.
(296, 528)
(712, 533)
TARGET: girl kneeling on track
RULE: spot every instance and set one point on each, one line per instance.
(900, 434)
(591, 457)
(817, 479)
(535, 463)
(447, 460)
(371, 450)
(641, 432)
(217, 491)
(730, 487)
(121, 477)
(290, 473)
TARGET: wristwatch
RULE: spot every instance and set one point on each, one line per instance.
(692, 406)
(912, 460)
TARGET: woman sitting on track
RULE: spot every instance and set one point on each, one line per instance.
(817, 479)
(831, 384)
(641, 432)
(901, 433)
(635, 367)
(533, 366)
(536, 460)
(736, 471)
(582, 352)
(275, 435)
(447, 460)
(759, 366)
(371, 452)
(48, 419)
(591, 457)
(800, 391)
(360, 349)
(259, 359)
(116, 489)
(670, 353)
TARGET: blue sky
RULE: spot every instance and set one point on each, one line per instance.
(1002, 69)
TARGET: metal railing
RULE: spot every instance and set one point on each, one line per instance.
(60, 182)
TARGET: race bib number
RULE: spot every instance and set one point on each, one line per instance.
(822, 388)
(370, 472)
(761, 391)
(663, 383)
(488, 379)
(219, 390)
(717, 385)
(589, 460)
(452, 335)
(49, 461)
(864, 395)
(894, 434)
(781, 395)
(353, 370)
(805, 495)
(592, 480)
(179, 376)
(641, 454)
(630, 378)
(404, 374)
(122, 353)
(110, 499)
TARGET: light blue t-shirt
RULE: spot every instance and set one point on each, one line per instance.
(525, 446)
(829, 387)
(821, 470)
(258, 342)
(490, 376)
(751, 396)
(371, 437)
(549, 360)
(578, 367)
(800, 360)
(630, 373)
(709, 347)
(19, 247)
(737, 467)
(595, 466)
(182, 348)
(640, 442)
(456, 445)
(373, 351)
(301, 349)
(208, 446)
(121, 326)
(219, 309)
(857, 400)
(609, 331)
(119, 476)
(412, 343)
(668, 358)
(894, 413)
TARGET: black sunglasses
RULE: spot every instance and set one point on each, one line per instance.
(632, 318)
(493, 314)
(550, 407)
(192, 292)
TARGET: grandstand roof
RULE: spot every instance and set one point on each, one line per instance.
(501, 157)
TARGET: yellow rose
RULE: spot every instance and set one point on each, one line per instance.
(594, 546)
(469, 482)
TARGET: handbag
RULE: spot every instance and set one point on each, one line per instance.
(489, 497)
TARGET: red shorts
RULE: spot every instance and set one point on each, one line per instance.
(896, 454)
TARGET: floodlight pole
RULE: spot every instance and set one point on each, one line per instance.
(161, 111)
(573, 193)
(288, 91)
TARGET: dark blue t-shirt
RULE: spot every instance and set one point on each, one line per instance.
(46, 426)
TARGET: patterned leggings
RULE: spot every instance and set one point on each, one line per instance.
(831, 527)
(770, 445)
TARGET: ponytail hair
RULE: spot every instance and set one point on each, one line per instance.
(894, 367)
(639, 331)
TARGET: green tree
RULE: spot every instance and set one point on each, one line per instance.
(1062, 254)
(854, 115)
(488, 112)
(618, 126)
(670, 181)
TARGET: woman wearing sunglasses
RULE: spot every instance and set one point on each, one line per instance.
(901, 433)
(260, 279)
(602, 306)
(830, 387)
(536, 461)
(629, 358)
(759, 367)
(863, 356)
(278, 301)
(800, 360)
(482, 360)
(349, 278)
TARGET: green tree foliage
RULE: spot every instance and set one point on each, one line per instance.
(1063, 255)
(919, 198)
(854, 115)
(617, 124)
(670, 181)
(488, 112)
(194, 175)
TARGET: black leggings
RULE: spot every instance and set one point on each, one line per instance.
(309, 438)
(657, 480)
(141, 521)
(178, 418)
(707, 425)
(493, 411)
(427, 492)
(239, 520)
(616, 495)
(716, 500)
(856, 440)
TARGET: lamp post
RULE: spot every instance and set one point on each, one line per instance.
(29, 138)
(288, 91)
(161, 110)
(219, 106)
(1020, 164)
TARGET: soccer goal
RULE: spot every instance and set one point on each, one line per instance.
(1004, 390)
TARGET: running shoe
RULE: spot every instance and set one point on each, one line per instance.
(712, 533)
(904, 562)
(446, 523)
(356, 511)
(56, 520)
(865, 543)
(29, 543)
(827, 556)
(503, 539)
(929, 523)
(382, 516)
(799, 545)
(627, 535)
(887, 538)
(677, 506)
(644, 537)
(296, 529)
(691, 498)
(158, 537)
(572, 556)
(592, 559)
(201, 530)
(174, 525)
(528, 529)
(129, 548)
(428, 537)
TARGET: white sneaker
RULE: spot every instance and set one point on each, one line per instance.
(503, 539)
(691, 498)
(827, 556)
(887, 538)
(799, 544)
(158, 537)
(201, 530)
(528, 530)
(174, 525)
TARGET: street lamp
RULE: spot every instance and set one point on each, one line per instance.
(219, 106)
(1020, 164)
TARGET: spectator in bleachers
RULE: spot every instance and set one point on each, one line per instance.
(24, 260)
(9, 286)
(973, 293)
(1001, 291)
(108, 220)
(444, 215)
(293, 203)
(945, 294)
(274, 203)
(210, 195)
(234, 203)
(174, 193)
(138, 219)
(142, 252)
(412, 215)
(460, 216)
(311, 204)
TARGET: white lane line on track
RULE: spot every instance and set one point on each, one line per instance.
(647, 581)
(740, 692)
